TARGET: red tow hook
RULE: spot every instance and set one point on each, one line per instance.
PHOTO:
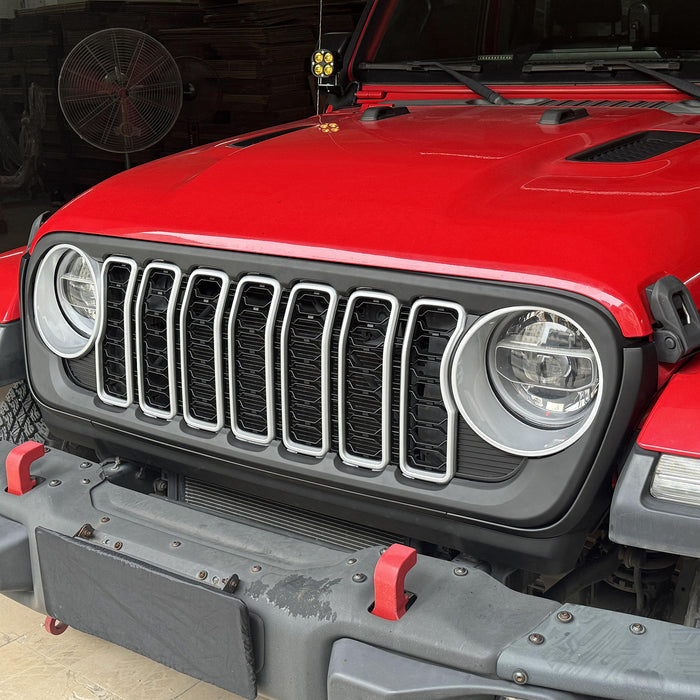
(18, 464)
(390, 597)
(54, 626)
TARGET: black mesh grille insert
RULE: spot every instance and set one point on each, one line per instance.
(638, 147)
(114, 370)
(250, 361)
(479, 461)
(305, 367)
(368, 326)
(426, 415)
(202, 347)
(82, 371)
(154, 339)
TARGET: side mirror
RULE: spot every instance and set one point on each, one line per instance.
(327, 60)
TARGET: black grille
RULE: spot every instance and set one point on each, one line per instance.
(155, 349)
(202, 348)
(426, 415)
(113, 346)
(305, 367)
(363, 377)
(82, 371)
(638, 147)
(250, 362)
(293, 521)
(369, 327)
(479, 461)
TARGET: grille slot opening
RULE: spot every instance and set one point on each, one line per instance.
(298, 522)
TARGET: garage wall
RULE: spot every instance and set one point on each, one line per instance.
(249, 61)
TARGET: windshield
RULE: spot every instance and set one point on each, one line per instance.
(508, 39)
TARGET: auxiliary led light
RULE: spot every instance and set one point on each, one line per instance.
(323, 63)
(677, 479)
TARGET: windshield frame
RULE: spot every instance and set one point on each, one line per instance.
(536, 66)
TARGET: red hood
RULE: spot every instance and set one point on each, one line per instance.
(478, 191)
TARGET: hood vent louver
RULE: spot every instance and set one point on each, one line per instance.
(635, 148)
(253, 140)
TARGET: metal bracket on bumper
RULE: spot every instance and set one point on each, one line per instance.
(608, 655)
(12, 353)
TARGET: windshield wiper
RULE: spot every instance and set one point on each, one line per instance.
(457, 72)
(680, 84)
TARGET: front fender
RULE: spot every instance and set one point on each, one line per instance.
(673, 424)
(11, 348)
(637, 517)
(9, 285)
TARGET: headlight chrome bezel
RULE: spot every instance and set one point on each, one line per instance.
(52, 322)
(487, 413)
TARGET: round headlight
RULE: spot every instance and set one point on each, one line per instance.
(66, 304)
(527, 380)
(543, 368)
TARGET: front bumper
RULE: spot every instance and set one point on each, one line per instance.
(152, 578)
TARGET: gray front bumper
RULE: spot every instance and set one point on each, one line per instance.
(314, 636)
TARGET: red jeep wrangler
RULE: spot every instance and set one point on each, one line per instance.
(396, 402)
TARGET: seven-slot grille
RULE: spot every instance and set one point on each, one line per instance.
(265, 362)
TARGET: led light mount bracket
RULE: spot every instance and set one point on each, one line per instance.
(327, 60)
(325, 65)
(677, 328)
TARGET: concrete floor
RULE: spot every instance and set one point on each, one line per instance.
(35, 665)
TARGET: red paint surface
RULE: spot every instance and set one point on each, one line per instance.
(9, 285)
(389, 575)
(481, 192)
(646, 92)
(673, 423)
(18, 464)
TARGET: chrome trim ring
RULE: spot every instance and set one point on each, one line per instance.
(489, 418)
(45, 294)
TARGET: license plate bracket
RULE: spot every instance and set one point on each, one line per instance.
(189, 626)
